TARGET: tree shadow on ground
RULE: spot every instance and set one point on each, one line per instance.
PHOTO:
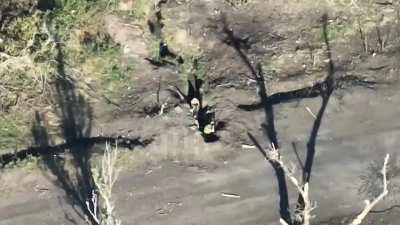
(269, 125)
(75, 116)
(324, 89)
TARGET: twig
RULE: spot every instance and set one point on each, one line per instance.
(311, 113)
(229, 195)
(248, 146)
(109, 101)
(93, 211)
(175, 89)
(162, 108)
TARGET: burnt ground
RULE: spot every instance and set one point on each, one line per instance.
(180, 179)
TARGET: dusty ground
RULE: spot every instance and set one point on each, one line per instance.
(180, 179)
(188, 189)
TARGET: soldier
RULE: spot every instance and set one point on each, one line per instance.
(194, 107)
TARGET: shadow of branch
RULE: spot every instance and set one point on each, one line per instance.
(326, 90)
(75, 115)
(269, 125)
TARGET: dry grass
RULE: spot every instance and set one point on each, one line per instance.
(105, 177)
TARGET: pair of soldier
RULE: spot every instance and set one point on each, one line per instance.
(203, 115)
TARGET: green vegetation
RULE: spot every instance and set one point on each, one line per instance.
(89, 48)
(193, 65)
(142, 9)
(115, 81)
(372, 23)
(11, 134)
(72, 14)
(338, 30)
(23, 32)
(153, 46)
(30, 57)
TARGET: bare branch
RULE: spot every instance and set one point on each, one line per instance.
(369, 205)
(93, 212)
(283, 222)
(304, 215)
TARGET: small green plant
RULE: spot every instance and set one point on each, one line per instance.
(115, 79)
(142, 8)
(193, 65)
(153, 46)
(11, 134)
(21, 35)
(338, 29)
(70, 14)
(89, 49)
(67, 15)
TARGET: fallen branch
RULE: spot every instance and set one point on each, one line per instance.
(229, 195)
(311, 113)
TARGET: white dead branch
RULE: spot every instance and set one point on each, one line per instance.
(305, 214)
(93, 210)
(248, 147)
(311, 113)
(369, 205)
(230, 195)
(105, 178)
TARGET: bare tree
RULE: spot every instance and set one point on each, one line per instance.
(273, 155)
(368, 204)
